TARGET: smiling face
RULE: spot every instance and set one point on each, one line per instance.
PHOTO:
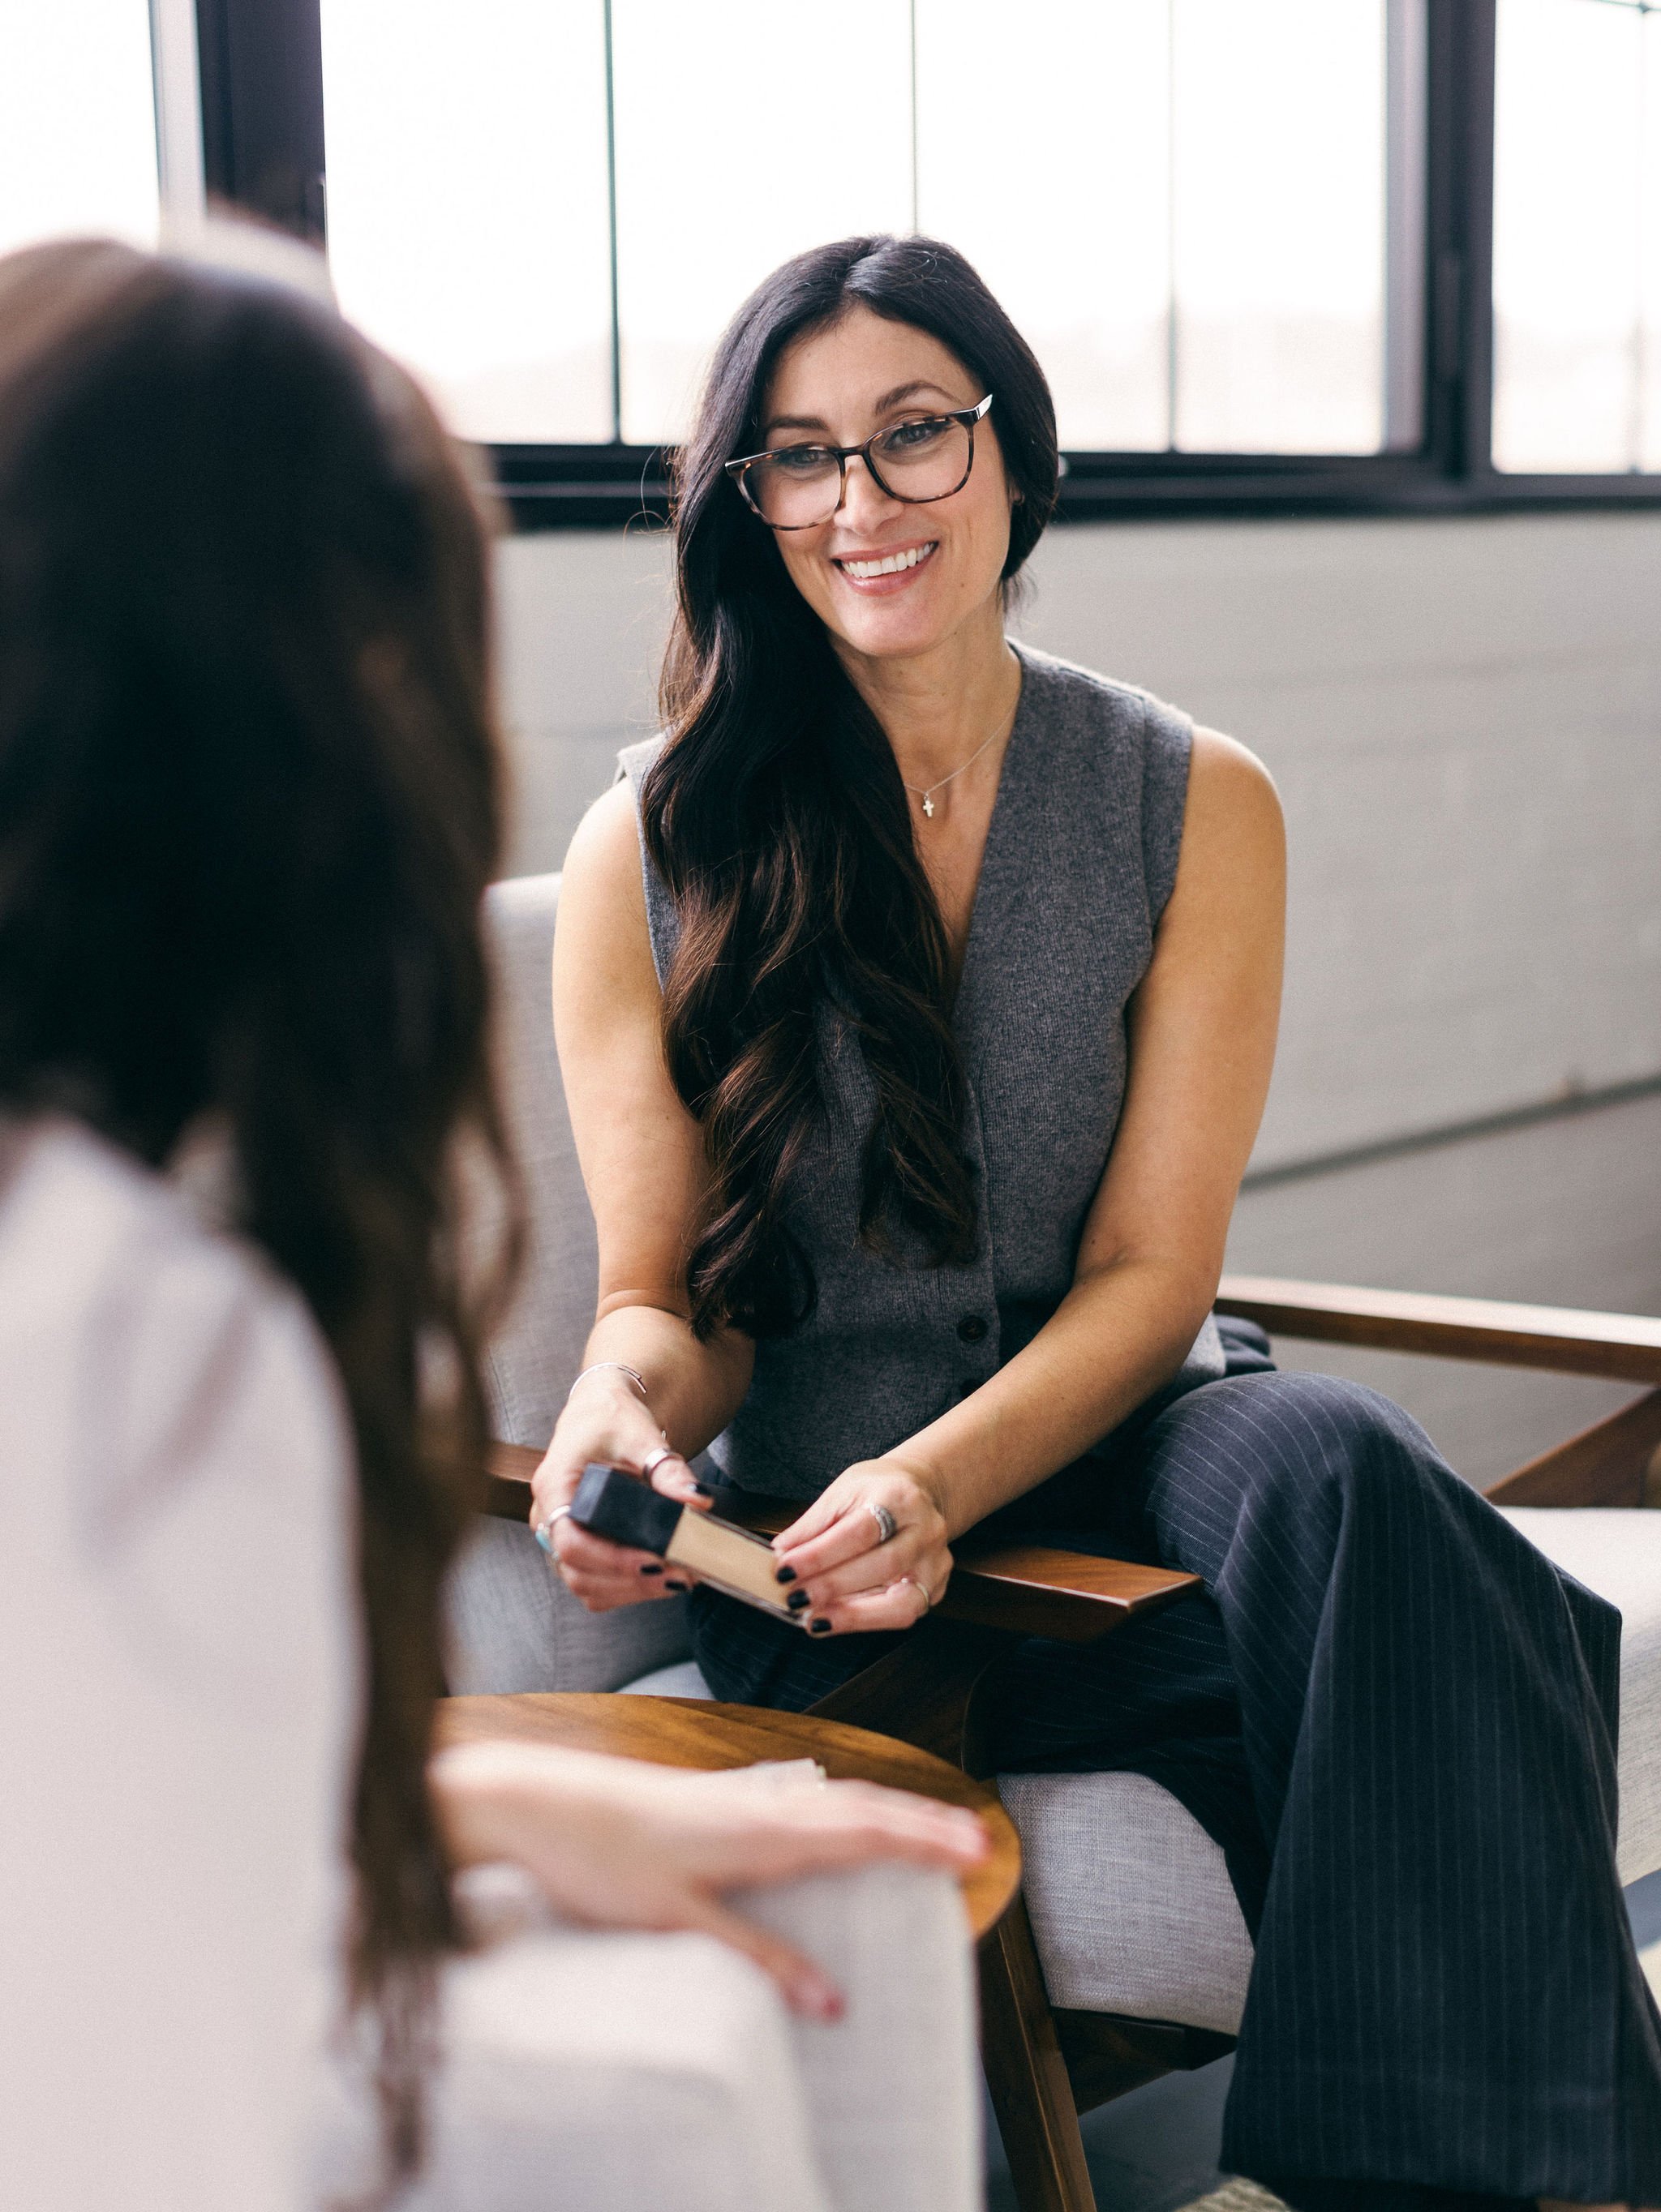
(889, 580)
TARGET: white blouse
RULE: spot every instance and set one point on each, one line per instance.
(179, 1689)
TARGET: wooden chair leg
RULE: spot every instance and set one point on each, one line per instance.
(1027, 2074)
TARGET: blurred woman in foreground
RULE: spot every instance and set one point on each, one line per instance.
(249, 801)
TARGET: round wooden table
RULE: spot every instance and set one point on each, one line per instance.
(697, 1732)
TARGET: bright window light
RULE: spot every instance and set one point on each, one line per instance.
(1194, 208)
(1193, 238)
(1278, 202)
(1068, 224)
(468, 229)
(1576, 236)
(77, 123)
(745, 133)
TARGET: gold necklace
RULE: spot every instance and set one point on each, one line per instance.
(926, 793)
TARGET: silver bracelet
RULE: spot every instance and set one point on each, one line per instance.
(638, 1381)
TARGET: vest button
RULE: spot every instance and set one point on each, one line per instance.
(972, 1327)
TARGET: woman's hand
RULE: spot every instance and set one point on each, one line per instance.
(848, 1577)
(604, 1420)
(616, 1843)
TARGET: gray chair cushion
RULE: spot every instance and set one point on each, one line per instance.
(536, 1352)
(513, 1626)
(1131, 1903)
(681, 1680)
(1617, 1552)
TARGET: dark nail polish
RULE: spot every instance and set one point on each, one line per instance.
(651, 1571)
(784, 1574)
(796, 1600)
(672, 1584)
(818, 1627)
(705, 1489)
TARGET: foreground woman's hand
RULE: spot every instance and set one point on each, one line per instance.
(604, 1420)
(848, 1577)
(619, 1843)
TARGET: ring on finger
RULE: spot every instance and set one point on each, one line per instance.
(922, 1590)
(887, 1525)
(654, 1460)
(544, 1531)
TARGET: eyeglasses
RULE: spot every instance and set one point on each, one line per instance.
(798, 487)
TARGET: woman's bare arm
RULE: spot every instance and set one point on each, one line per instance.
(641, 1156)
(1201, 1045)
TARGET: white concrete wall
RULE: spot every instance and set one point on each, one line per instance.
(1464, 719)
(583, 614)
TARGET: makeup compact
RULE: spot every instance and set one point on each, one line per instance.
(613, 1502)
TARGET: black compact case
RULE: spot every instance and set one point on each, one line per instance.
(610, 1502)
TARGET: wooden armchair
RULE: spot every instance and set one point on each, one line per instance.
(1084, 1837)
(1045, 2065)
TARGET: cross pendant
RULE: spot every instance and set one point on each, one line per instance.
(928, 807)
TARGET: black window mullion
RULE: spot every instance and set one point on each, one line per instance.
(1459, 256)
(261, 64)
(1478, 301)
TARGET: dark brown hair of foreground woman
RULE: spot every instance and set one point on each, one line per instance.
(248, 805)
(776, 816)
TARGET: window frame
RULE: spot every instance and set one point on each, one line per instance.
(261, 64)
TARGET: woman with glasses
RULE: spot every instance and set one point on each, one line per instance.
(915, 996)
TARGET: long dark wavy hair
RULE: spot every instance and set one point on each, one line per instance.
(777, 817)
(249, 801)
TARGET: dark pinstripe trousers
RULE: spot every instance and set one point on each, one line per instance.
(1398, 1719)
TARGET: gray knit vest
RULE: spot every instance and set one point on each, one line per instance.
(1081, 858)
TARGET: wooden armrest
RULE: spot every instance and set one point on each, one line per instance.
(1625, 1347)
(1025, 1587)
(1072, 1596)
(1030, 1588)
(508, 1472)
